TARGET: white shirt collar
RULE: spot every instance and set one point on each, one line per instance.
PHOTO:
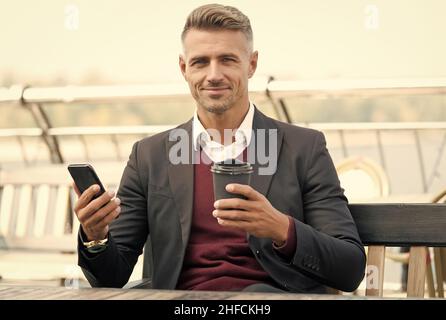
(242, 135)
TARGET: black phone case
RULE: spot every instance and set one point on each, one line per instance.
(84, 176)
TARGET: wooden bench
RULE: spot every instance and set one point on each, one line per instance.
(417, 226)
(36, 217)
(35, 210)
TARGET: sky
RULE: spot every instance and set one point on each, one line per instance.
(138, 41)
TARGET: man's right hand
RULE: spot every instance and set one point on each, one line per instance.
(95, 216)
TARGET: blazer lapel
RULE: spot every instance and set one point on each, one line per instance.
(260, 182)
(181, 180)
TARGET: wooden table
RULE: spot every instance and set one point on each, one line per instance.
(61, 293)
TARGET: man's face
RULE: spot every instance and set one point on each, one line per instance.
(217, 66)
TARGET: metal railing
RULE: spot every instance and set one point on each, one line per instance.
(112, 93)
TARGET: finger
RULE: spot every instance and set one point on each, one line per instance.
(97, 204)
(109, 218)
(103, 212)
(233, 215)
(234, 203)
(244, 190)
(86, 196)
(76, 189)
(240, 225)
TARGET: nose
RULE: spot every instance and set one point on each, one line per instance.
(215, 73)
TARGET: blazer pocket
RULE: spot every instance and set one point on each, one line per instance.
(159, 191)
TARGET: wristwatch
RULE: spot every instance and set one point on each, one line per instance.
(96, 246)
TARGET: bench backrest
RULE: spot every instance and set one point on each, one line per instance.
(417, 226)
(36, 207)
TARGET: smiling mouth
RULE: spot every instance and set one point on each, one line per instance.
(215, 91)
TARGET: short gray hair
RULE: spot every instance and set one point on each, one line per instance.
(218, 17)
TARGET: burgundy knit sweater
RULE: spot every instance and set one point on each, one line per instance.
(217, 257)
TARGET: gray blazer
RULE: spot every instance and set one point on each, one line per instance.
(156, 201)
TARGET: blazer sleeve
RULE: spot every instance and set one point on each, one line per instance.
(127, 236)
(328, 247)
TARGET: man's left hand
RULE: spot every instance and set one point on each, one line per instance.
(255, 215)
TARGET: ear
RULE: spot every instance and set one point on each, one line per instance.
(182, 63)
(253, 63)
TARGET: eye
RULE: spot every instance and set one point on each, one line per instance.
(228, 59)
(198, 62)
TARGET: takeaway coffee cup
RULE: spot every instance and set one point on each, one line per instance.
(230, 171)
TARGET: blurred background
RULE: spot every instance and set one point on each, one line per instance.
(81, 81)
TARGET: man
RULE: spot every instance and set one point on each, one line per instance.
(293, 232)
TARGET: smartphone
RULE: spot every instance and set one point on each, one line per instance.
(84, 176)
